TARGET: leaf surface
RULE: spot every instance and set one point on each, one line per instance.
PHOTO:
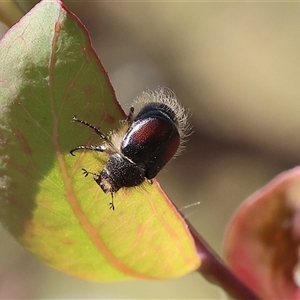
(49, 72)
(262, 241)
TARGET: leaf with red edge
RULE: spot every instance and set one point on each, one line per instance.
(49, 72)
(262, 241)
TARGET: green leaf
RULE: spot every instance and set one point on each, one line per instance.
(49, 72)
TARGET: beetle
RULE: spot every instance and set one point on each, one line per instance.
(144, 143)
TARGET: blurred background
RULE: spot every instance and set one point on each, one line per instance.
(236, 67)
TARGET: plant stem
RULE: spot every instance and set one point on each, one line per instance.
(215, 271)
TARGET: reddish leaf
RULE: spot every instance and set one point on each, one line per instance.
(262, 241)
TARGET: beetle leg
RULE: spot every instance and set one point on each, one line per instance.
(96, 130)
(111, 204)
(86, 173)
(100, 148)
(129, 118)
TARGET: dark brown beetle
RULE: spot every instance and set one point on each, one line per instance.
(143, 145)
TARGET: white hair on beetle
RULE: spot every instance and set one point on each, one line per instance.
(166, 96)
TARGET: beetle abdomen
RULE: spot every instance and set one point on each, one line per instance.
(151, 141)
